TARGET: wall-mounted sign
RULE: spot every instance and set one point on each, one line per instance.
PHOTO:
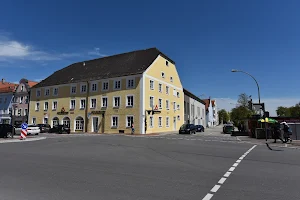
(97, 112)
(62, 111)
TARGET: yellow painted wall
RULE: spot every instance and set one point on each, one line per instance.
(64, 98)
(155, 73)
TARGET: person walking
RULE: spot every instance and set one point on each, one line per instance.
(286, 131)
(277, 133)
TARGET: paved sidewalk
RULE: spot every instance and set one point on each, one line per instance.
(17, 139)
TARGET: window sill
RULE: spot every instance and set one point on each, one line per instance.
(54, 109)
(45, 110)
(129, 106)
(82, 108)
(117, 88)
(78, 129)
(72, 109)
(93, 108)
(116, 107)
(114, 127)
(104, 107)
(37, 110)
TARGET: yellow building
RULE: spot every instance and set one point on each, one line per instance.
(106, 95)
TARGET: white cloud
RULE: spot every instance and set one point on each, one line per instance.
(96, 52)
(15, 50)
(271, 104)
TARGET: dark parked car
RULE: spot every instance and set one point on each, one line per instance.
(228, 128)
(60, 129)
(187, 129)
(199, 128)
(44, 128)
(6, 130)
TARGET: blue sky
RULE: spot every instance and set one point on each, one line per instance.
(206, 39)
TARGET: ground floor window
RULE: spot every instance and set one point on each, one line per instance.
(114, 121)
(79, 123)
(34, 120)
(129, 121)
(66, 121)
(45, 120)
(167, 122)
(151, 122)
(55, 121)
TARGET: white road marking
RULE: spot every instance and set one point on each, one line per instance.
(208, 196)
(222, 180)
(215, 188)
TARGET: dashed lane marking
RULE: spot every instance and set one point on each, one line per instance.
(216, 187)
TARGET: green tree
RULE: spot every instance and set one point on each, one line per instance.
(243, 100)
(240, 113)
(223, 115)
(295, 110)
(283, 111)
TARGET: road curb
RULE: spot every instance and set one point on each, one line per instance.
(18, 140)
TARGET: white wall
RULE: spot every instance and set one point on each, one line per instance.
(197, 112)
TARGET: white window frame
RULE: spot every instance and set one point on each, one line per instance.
(127, 83)
(25, 112)
(71, 108)
(129, 95)
(103, 86)
(171, 79)
(178, 94)
(129, 125)
(21, 99)
(96, 87)
(163, 75)
(38, 93)
(160, 101)
(118, 121)
(178, 106)
(174, 105)
(151, 86)
(105, 97)
(115, 81)
(151, 121)
(53, 102)
(167, 104)
(114, 101)
(71, 89)
(150, 102)
(46, 109)
(167, 121)
(91, 103)
(79, 124)
(22, 88)
(55, 88)
(160, 121)
(33, 120)
(47, 89)
(80, 106)
(37, 106)
(81, 86)
(167, 90)
(160, 87)
(20, 112)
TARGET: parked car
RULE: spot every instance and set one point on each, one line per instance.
(31, 130)
(188, 129)
(44, 128)
(60, 129)
(6, 131)
(228, 128)
(199, 128)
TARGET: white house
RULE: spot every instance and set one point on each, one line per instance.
(212, 117)
(194, 109)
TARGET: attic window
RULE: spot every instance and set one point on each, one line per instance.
(163, 74)
(171, 79)
(167, 63)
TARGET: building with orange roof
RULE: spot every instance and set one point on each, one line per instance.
(6, 95)
(212, 117)
(20, 103)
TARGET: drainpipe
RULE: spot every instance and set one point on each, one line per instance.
(28, 105)
(86, 106)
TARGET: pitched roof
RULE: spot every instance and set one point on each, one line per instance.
(206, 103)
(32, 83)
(7, 89)
(188, 93)
(125, 64)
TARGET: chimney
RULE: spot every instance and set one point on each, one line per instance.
(3, 80)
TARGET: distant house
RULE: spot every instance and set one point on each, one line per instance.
(20, 103)
(6, 95)
(194, 109)
(212, 118)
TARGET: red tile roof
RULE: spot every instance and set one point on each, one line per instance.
(32, 83)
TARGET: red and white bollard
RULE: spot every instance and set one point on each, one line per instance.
(23, 134)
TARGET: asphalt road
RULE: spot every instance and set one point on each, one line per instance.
(173, 167)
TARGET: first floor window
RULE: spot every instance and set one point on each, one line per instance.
(115, 121)
(167, 105)
(151, 122)
(93, 103)
(104, 102)
(94, 87)
(72, 104)
(34, 120)
(37, 106)
(116, 101)
(73, 89)
(46, 106)
(174, 105)
(82, 103)
(54, 105)
(167, 122)
(117, 85)
(83, 88)
(160, 121)
(129, 100)
(129, 121)
(79, 123)
(151, 102)
(160, 103)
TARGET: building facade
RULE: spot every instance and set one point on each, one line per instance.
(212, 117)
(6, 96)
(20, 102)
(194, 109)
(109, 94)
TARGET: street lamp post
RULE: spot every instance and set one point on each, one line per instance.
(235, 70)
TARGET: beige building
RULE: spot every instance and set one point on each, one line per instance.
(106, 95)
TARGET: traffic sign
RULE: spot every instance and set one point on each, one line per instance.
(24, 126)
